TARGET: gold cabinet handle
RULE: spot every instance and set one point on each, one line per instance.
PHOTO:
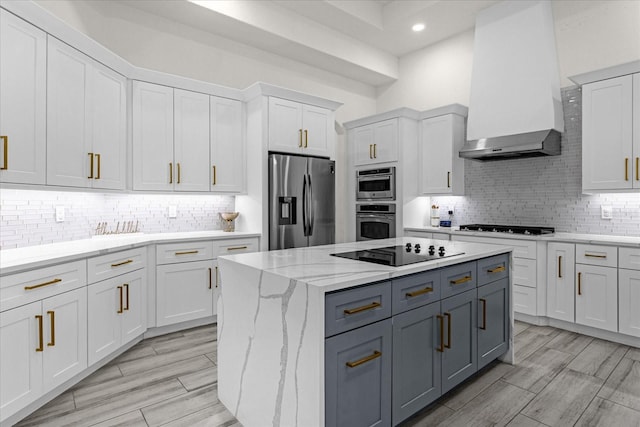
(484, 313)
(497, 269)
(98, 159)
(362, 308)
(375, 151)
(306, 138)
(595, 256)
(126, 294)
(178, 165)
(120, 311)
(626, 169)
(369, 358)
(560, 267)
(210, 279)
(40, 337)
(448, 179)
(448, 344)
(90, 165)
(214, 175)
(371, 151)
(170, 173)
(300, 138)
(52, 318)
(441, 322)
(419, 292)
(579, 283)
(237, 248)
(460, 281)
(118, 264)
(5, 143)
(186, 253)
(216, 276)
(51, 282)
(637, 166)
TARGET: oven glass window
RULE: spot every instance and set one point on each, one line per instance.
(374, 185)
(374, 230)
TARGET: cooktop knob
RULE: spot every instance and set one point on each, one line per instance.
(417, 249)
(441, 251)
(408, 245)
(417, 245)
(432, 250)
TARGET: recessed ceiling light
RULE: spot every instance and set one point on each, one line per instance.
(418, 27)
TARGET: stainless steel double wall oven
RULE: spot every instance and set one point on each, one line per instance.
(375, 203)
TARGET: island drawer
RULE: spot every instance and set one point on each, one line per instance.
(234, 246)
(355, 307)
(629, 258)
(458, 278)
(111, 265)
(493, 268)
(171, 253)
(605, 256)
(414, 291)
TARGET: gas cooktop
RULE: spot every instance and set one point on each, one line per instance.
(396, 256)
(513, 229)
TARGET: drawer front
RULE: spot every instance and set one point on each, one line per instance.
(24, 288)
(112, 265)
(605, 256)
(492, 269)
(458, 278)
(525, 272)
(414, 291)
(629, 258)
(524, 300)
(234, 246)
(171, 253)
(422, 234)
(350, 309)
(521, 248)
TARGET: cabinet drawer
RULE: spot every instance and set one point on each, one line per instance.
(457, 279)
(492, 269)
(171, 253)
(629, 258)
(605, 256)
(234, 246)
(524, 272)
(414, 291)
(345, 310)
(112, 265)
(24, 288)
(524, 300)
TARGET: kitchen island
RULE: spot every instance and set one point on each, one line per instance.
(280, 316)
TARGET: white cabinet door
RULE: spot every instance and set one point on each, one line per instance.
(103, 319)
(285, 125)
(607, 134)
(363, 145)
(376, 143)
(561, 281)
(20, 362)
(629, 299)
(227, 146)
(68, 126)
(597, 296)
(191, 141)
(153, 167)
(317, 125)
(134, 318)
(441, 170)
(65, 337)
(184, 292)
(23, 77)
(636, 131)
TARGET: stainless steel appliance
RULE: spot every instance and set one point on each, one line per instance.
(512, 229)
(376, 184)
(301, 201)
(396, 256)
(375, 221)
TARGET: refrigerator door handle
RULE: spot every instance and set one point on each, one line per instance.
(311, 208)
(304, 205)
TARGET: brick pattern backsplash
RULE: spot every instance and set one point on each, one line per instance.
(544, 191)
(27, 217)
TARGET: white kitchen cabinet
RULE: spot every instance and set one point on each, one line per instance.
(86, 121)
(376, 143)
(228, 150)
(300, 128)
(191, 141)
(610, 143)
(23, 78)
(441, 169)
(561, 281)
(629, 291)
(597, 296)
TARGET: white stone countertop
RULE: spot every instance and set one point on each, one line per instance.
(602, 239)
(14, 260)
(316, 267)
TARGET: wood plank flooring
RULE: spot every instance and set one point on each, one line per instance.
(561, 379)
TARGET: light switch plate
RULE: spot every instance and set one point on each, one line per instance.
(606, 212)
(59, 213)
(173, 211)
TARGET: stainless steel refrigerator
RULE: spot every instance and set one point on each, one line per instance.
(301, 201)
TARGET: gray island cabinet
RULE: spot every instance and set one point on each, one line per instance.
(307, 339)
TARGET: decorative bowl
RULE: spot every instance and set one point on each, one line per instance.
(229, 216)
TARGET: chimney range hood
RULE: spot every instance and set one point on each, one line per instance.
(515, 108)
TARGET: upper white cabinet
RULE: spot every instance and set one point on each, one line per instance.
(376, 143)
(300, 128)
(227, 146)
(611, 134)
(441, 169)
(23, 61)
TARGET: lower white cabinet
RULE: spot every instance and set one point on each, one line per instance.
(117, 313)
(629, 291)
(561, 259)
(597, 296)
(43, 344)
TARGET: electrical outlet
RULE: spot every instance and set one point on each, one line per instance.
(59, 213)
(173, 211)
(606, 212)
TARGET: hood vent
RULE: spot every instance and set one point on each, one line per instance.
(515, 108)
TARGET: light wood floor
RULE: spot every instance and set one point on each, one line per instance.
(561, 379)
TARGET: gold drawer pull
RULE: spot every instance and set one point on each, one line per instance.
(5, 163)
(51, 282)
(126, 294)
(375, 151)
(362, 308)
(448, 179)
(497, 269)
(178, 164)
(560, 266)
(98, 158)
(579, 283)
(465, 279)
(214, 175)
(237, 248)
(300, 143)
(90, 165)
(306, 138)
(210, 278)
(369, 358)
(186, 253)
(626, 169)
(216, 276)
(52, 316)
(484, 313)
(595, 256)
(129, 261)
(170, 173)
(448, 344)
(441, 322)
(637, 167)
(120, 311)
(40, 337)
(420, 292)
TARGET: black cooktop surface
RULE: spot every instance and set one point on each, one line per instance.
(396, 256)
(514, 229)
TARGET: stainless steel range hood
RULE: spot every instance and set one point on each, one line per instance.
(515, 109)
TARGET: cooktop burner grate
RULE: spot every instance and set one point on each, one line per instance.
(513, 229)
